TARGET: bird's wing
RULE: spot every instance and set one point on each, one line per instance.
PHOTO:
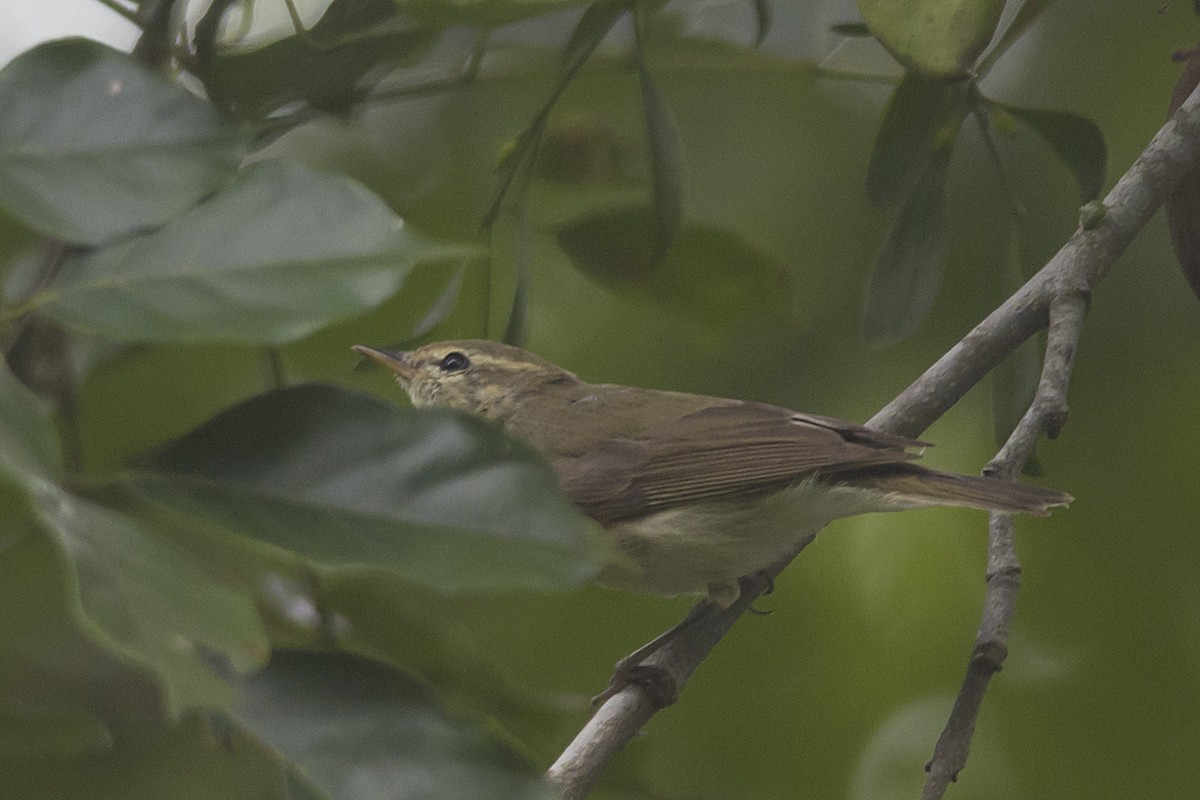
(721, 452)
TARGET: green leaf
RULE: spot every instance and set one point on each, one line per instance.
(443, 499)
(29, 442)
(763, 16)
(152, 602)
(591, 29)
(666, 164)
(93, 145)
(937, 38)
(54, 670)
(908, 272)
(920, 125)
(716, 274)
(283, 252)
(447, 13)
(331, 66)
(1026, 15)
(361, 731)
(1076, 140)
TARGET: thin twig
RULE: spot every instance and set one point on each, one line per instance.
(1046, 415)
(1061, 284)
(116, 7)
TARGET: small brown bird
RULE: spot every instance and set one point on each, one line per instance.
(695, 491)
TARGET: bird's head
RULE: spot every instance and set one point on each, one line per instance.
(474, 375)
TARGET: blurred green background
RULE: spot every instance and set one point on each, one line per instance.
(840, 692)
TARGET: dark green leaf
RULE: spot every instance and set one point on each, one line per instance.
(443, 499)
(921, 124)
(447, 13)
(153, 602)
(28, 438)
(762, 20)
(93, 145)
(909, 269)
(591, 29)
(1077, 140)
(330, 66)
(854, 30)
(282, 252)
(444, 304)
(713, 273)
(54, 668)
(361, 731)
(937, 38)
(666, 165)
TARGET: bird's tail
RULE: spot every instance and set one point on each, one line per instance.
(916, 485)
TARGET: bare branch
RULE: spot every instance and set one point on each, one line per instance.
(1060, 288)
(1046, 414)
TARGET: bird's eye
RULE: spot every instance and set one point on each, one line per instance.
(454, 362)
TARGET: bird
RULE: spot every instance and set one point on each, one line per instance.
(693, 492)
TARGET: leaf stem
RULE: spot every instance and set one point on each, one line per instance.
(121, 10)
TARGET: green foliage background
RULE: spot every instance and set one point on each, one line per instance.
(841, 691)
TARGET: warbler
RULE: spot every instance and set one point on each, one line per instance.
(694, 491)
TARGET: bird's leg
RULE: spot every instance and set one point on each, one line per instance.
(658, 684)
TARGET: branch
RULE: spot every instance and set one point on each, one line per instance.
(1047, 414)
(1062, 285)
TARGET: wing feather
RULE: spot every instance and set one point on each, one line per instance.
(722, 452)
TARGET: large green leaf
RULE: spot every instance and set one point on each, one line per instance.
(279, 254)
(938, 38)
(1075, 139)
(711, 272)
(908, 271)
(152, 601)
(94, 145)
(28, 439)
(361, 731)
(331, 66)
(922, 120)
(58, 679)
(443, 499)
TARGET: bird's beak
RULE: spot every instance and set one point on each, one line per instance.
(398, 363)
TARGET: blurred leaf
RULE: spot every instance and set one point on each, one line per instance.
(1077, 141)
(666, 164)
(1183, 206)
(330, 66)
(283, 252)
(445, 302)
(29, 442)
(938, 38)
(361, 731)
(762, 20)
(919, 127)
(584, 149)
(714, 273)
(56, 676)
(591, 29)
(93, 145)
(153, 602)
(442, 499)
(854, 30)
(908, 272)
(447, 13)
(1026, 15)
